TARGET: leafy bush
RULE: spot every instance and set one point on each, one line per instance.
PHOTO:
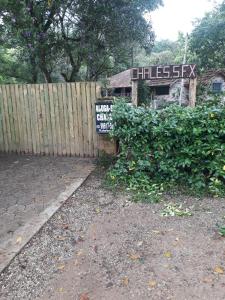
(222, 230)
(175, 146)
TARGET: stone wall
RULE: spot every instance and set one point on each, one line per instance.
(174, 95)
(208, 89)
(217, 79)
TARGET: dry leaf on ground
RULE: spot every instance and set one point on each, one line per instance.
(19, 240)
(125, 281)
(167, 254)
(56, 258)
(61, 267)
(84, 297)
(134, 256)
(207, 280)
(152, 283)
(219, 270)
(76, 262)
(177, 242)
(80, 253)
(65, 226)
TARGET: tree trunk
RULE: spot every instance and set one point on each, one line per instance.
(74, 73)
(34, 70)
(47, 75)
(43, 67)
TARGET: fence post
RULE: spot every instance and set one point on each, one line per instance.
(192, 92)
(135, 92)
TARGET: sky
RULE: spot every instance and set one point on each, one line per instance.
(178, 15)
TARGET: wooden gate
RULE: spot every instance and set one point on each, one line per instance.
(50, 119)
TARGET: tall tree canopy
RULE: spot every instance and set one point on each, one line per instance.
(60, 38)
(208, 39)
(165, 52)
(11, 71)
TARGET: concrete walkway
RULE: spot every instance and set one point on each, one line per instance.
(31, 190)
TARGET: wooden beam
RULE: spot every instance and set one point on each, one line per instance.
(192, 92)
(135, 92)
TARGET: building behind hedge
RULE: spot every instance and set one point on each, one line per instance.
(166, 91)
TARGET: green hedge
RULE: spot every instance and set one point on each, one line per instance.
(179, 146)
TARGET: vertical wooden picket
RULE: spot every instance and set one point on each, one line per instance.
(43, 118)
(17, 111)
(7, 132)
(3, 143)
(61, 120)
(94, 96)
(29, 129)
(70, 120)
(13, 135)
(79, 121)
(75, 118)
(39, 119)
(90, 118)
(57, 119)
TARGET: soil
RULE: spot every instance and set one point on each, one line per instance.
(100, 245)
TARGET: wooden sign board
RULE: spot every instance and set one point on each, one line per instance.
(103, 114)
(166, 72)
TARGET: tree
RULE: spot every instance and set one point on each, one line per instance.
(165, 52)
(11, 69)
(165, 45)
(28, 26)
(59, 37)
(208, 39)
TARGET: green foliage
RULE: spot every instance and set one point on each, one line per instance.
(221, 227)
(138, 183)
(144, 93)
(208, 39)
(222, 230)
(60, 38)
(164, 52)
(172, 210)
(105, 160)
(205, 92)
(173, 146)
(11, 70)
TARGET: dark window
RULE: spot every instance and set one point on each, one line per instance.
(122, 92)
(162, 90)
(128, 92)
(217, 87)
(117, 90)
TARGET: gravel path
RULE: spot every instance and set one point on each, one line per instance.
(101, 246)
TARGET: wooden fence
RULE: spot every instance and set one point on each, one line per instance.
(55, 119)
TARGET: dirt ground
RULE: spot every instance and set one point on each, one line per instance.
(99, 246)
(29, 184)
